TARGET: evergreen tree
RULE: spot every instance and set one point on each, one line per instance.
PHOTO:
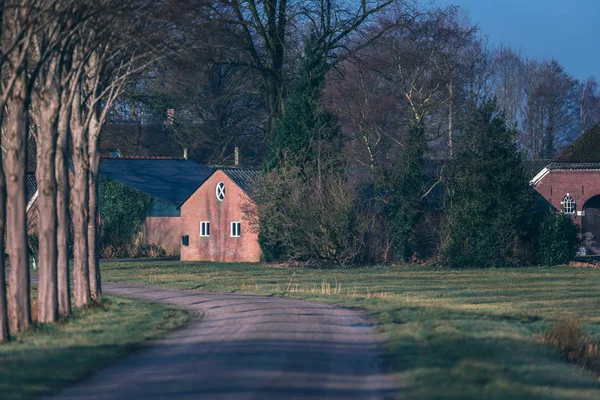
(490, 208)
(405, 205)
(303, 161)
(305, 130)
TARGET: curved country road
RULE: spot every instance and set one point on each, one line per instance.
(247, 347)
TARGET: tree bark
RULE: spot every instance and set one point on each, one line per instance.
(4, 333)
(46, 106)
(94, 157)
(62, 210)
(16, 131)
(80, 195)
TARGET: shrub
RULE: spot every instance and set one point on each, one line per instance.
(558, 240)
(108, 251)
(154, 251)
(120, 203)
(307, 220)
(33, 242)
(568, 339)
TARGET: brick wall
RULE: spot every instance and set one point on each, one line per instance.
(164, 232)
(203, 205)
(582, 185)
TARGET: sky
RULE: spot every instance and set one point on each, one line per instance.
(568, 30)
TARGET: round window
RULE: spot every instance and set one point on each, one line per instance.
(220, 191)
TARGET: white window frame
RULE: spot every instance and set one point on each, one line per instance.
(236, 232)
(568, 206)
(204, 230)
(220, 191)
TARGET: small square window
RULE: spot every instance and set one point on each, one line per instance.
(236, 229)
(205, 228)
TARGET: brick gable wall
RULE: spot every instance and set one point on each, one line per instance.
(582, 185)
(203, 205)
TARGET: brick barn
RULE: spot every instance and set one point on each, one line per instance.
(169, 181)
(214, 227)
(571, 183)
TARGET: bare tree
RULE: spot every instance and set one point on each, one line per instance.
(509, 83)
(17, 30)
(266, 30)
(589, 104)
(551, 109)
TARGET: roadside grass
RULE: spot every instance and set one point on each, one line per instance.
(453, 334)
(50, 357)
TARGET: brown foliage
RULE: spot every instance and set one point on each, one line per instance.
(569, 339)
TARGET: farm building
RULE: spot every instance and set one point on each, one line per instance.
(571, 183)
(168, 181)
(214, 226)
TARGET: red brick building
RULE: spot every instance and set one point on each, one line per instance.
(571, 183)
(168, 181)
(214, 222)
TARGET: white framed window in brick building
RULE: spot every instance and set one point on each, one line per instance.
(568, 205)
(220, 191)
(236, 229)
(204, 228)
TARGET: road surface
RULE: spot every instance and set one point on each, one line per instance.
(247, 347)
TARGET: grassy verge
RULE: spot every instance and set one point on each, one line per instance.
(50, 357)
(468, 334)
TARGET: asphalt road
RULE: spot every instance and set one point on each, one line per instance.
(247, 347)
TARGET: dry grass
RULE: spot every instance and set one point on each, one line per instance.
(570, 340)
(454, 334)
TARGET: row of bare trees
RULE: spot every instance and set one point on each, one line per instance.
(64, 63)
(549, 107)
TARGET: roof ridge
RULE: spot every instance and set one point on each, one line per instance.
(144, 158)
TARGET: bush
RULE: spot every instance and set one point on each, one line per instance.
(307, 220)
(558, 240)
(120, 203)
(108, 252)
(568, 339)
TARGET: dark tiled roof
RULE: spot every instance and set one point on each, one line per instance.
(574, 166)
(533, 167)
(245, 178)
(31, 185)
(170, 180)
(586, 149)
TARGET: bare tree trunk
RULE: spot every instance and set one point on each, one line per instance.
(4, 334)
(16, 221)
(80, 195)
(94, 156)
(450, 117)
(46, 106)
(62, 208)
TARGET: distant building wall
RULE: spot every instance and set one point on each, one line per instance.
(582, 185)
(164, 232)
(203, 205)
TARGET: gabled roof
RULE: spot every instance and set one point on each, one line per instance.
(167, 179)
(30, 185)
(586, 149)
(245, 178)
(533, 167)
(574, 165)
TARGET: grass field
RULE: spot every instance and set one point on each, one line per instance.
(50, 357)
(471, 334)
